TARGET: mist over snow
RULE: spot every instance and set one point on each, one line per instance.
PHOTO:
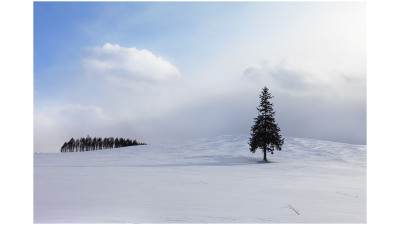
(165, 72)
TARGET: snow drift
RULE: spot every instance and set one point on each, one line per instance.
(209, 180)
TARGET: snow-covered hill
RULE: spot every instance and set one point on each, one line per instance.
(210, 180)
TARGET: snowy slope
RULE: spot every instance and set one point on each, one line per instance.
(210, 180)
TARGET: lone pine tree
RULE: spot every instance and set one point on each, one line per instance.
(265, 132)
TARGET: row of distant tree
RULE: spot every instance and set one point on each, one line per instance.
(96, 143)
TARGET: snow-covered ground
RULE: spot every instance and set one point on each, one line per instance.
(210, 180)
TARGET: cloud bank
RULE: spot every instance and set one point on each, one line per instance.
(329, 107)
(283, 77)
(132, 93)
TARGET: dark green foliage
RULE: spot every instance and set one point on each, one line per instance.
(265, 132)
(89, 144)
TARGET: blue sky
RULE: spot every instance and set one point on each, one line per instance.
(162, 71)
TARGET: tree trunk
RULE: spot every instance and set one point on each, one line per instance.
(265, 155)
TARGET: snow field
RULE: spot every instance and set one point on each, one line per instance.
(210, 180)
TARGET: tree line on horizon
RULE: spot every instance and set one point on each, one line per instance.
(96, 143)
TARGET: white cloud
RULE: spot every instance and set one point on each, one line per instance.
(129, 66)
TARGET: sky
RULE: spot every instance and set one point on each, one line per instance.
(169, 71)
